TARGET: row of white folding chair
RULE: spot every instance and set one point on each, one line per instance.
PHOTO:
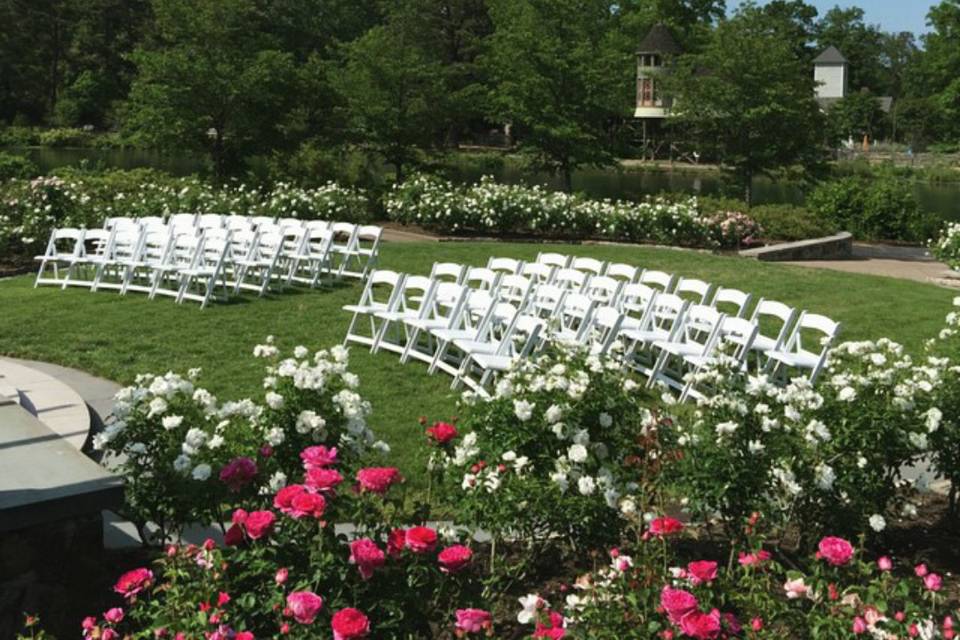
(619, 271)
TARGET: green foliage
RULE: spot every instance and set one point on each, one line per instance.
(66, 137)
(747, 100)
(14, 166)
(881, 208)
(789, 222)
(859, 42)
(856, 115)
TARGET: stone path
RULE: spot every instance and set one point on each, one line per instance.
(908, 263)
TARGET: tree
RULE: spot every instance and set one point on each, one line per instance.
(797, 21)
(748, 100)
(562, 75)
(860, 43)
(211, 79)
(393, 94)
(856, 115)
(936, 73)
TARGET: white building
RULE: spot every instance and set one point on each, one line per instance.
(831, 72)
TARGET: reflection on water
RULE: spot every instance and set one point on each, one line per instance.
(941, 198)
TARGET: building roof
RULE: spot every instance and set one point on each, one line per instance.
(659, 40)
(830, 55)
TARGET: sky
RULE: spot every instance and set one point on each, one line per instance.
(891, 15)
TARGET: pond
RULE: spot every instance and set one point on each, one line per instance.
(627, 184)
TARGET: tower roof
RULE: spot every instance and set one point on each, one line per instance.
(659, 40)
(830, 55)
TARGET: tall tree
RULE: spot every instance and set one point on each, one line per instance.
(747, 100)
(934, 82)
(212, 79)
(856, 115)
(860, 43)
(796, 20)
(562, 74)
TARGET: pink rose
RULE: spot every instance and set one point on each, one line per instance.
(109, 634)
(731, 624)
(244, 635)
(665, 526)
(114, 615)
(304, 606)
(795, 588)
(378, 479)
(677, 603)
(349, 623)
(884, 563)
(836, 551)
(318, 457)
(454, 559)
(281, 576)
(757, 624)
(259, 524)
(323, 480)
(238, 473)
(859, 625)
(921, 570)
(420, 539)
(442, 432)
(932, 582)
(133, 582)
(297, 502)
(753, 559)
(700, 625)
(702, 571)
(553, 628)
(88, 623)
(473, 620)
(367, 556)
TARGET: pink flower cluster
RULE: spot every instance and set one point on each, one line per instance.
(238, 473)
(683, 611)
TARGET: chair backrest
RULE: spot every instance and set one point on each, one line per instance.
(448, 272)
(369, 234)
(239, 223)
(604, 328)
(151, 222)
(574, 315)
(742, 332)
(514, 289)
(700, 324)
(415, 295)
(288, 223)
(570, 279)
(98, 242)
(294, 240)
(826, 332)
(481, 278)
(538, 272)
(668, 310)
(382, 289)
(242, 244)
(209, 221)
(447, 298)
(659, 279)
(344, 232)
(126, 243)
(216, 234)
(322, 225)
(735, 298)
(636, 297)
(772, 312)
(621, 271)
(604, 289)
(589, 265)
(262, 221)
(523, 336)
(545, 301)
(317, 241)
(506, 266)
(182, 219)
(558, 260)
(184, 250)
(121, 223)
(153, 246)
(696, 291)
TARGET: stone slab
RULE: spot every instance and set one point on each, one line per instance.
(828, 247)
(43, 478)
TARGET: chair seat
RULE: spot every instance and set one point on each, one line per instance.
(397, 316)
(476, 346)
(453, 334)
(364, 308)
(803, 359)
(492, 361)
(427, 323)
(760, 343)
(645, 336)
(679, 348)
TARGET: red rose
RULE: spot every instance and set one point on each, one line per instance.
(367, 556)
(323, 480)
(259, 524)
(553, 629)
(677, 603)
(420, 539)
(665, 526)
(349, 624)
(378, 479)
(133, 582)
(234, 536)
(836, 551)
(454, 559)
(702, 626)
(396, 541)
(297, 502)
(702, 571)
(238, 473)
(442, 432)
(318, 457)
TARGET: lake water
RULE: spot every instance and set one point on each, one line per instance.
(627, 184)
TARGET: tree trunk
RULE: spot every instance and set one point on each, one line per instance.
(566, 177)
(748, 189)
(398, 166)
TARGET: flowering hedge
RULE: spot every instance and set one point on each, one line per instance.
(488, 207)
(947, 247)
(31, 208)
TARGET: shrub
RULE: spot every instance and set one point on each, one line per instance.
(65, 137)
(789, 222)
(947, 247)
(14, 166)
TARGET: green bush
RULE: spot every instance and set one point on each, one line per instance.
(15, 136)
(789, 222)
(64, 138)
(14, 166)
(881, 208)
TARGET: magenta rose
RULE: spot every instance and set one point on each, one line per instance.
(238, 473)
(665, 526)
(553, 628)
(297, 502)
(114, 615)
(304, 606)
(367, 556)
(349, 624)
(396, 541)
(318, 457)
(836, 551)
(702, 571)
(473, 620)
(455, 558)
(442, 432)
(133, 582)
(702, 626)
(323, 480)
(932, 582)
(677, 603)
(259, 524)
(378, 479)
(420, 539)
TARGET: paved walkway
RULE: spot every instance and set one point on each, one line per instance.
(908, 263)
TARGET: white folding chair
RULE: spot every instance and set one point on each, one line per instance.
(209, 221)
(64, 247)
(604, 289)
(315, 259)
(448, 272)
(364, 254)
(243, 244)
(635, 298)
(380, 293)
(793, 356)
(557, 260)
(766, 315)
(184, 251)
(413, 302)
(519, 342)
(481, 320)
(689, 341)
(481, 278)
(570, 279)
(624, 272)
(291, 248)
(591, 266)
(114, 272)
(514, 289)
(697, 291)
(97, 249)
(444, 309)
(545, 301)
(604, 329)
(538, 273)
(260, 267)
(725, 297)
(660, 321)
(344, 243)
(199, 282)
(505, 266)
(573, 319)
(739, 332)
(658, 279)
(150, 253)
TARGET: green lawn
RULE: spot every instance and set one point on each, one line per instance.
(117, 338)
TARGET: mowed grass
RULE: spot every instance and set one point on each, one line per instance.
(118, 337)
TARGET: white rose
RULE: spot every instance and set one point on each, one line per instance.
(577, 453)
(586, 485)
(877, 522)
(171, 422)
(201, 472)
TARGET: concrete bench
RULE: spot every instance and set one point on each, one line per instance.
(833, 247)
